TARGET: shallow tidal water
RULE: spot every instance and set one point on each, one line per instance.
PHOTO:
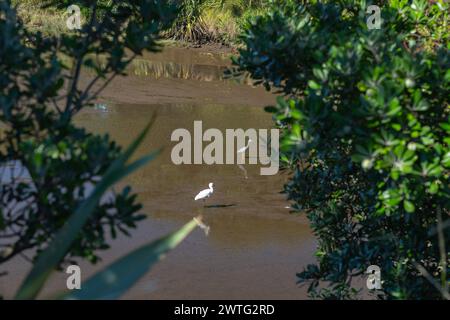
(255, 246)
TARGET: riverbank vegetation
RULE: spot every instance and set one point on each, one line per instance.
(203, 21)
(197, 21)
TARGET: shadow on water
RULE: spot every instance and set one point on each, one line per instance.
(220, 205)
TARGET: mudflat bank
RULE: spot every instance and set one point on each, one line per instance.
(182, 75)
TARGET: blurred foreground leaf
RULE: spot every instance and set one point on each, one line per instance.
(117, 278)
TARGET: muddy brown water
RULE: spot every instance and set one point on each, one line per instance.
(255, 246)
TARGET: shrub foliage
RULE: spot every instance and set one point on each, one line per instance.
(49, 166)
(365, 121)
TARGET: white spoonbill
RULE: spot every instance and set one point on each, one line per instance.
(204, 194)
(243, 149)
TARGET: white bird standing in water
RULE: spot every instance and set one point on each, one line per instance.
(243, 149)
(204, 194)
(101, 106)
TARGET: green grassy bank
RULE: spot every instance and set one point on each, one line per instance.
(199, 21)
